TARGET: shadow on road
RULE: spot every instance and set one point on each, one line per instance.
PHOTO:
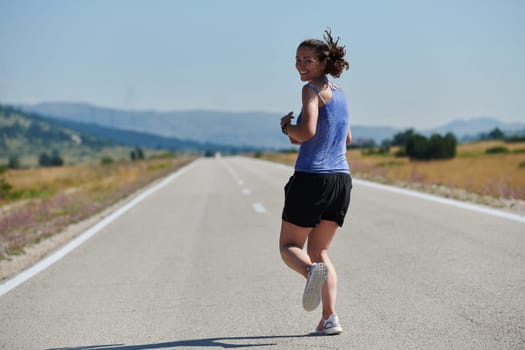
(208, 342)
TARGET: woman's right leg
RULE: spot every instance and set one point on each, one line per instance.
(291, 243)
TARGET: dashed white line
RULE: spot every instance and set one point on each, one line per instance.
(259, 208)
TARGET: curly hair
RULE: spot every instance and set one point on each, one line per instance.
(330, 50)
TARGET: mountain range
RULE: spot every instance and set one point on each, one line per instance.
(258, 130)
(467, 129)
(25, 134)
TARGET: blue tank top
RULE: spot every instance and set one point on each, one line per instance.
(325, 152)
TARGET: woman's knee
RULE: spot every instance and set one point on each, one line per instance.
(292, 237)
(283, 249)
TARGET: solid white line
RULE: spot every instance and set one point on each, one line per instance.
(442, 200)
(431, 197)
(69, 247)
(259, 208)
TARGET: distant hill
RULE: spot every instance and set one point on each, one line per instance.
(251, 129)
(240, 129)
(23, 134)
(236, 129)
(148, 140)
(471, 128)
(362, 134)
(28, 134)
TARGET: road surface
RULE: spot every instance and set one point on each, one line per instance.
(195, 265)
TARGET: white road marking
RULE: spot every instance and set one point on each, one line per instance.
(246, 191)
(442, 200)
(259, 208)
(431, 197)
(68, 248)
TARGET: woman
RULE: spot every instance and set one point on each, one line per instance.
(317, 196)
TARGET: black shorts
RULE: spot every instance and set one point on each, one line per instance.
(310, 198)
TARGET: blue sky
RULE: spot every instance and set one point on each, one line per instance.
(413, 63)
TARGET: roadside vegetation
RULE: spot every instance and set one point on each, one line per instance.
(493, 168)
(36, 203)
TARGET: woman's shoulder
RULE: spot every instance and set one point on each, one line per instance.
(311, 86)
(309, 91)
(334, 86)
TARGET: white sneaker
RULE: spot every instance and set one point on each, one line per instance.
(312, 291)
(330, 326)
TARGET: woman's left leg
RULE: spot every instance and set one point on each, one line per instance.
(319, 241)
(291, 242)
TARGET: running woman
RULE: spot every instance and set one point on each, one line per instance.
(317, 196)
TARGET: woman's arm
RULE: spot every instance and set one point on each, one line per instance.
(310, 112)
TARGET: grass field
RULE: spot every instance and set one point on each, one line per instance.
(43, 201)
(501, 175)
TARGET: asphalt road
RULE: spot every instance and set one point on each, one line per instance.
(195, 265)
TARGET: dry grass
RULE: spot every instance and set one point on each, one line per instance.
(497, 175)
(479, 148)
(494, 175)
(50, 199)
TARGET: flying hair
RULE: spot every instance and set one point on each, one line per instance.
(329, 50)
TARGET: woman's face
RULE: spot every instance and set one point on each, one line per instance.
(308, 65)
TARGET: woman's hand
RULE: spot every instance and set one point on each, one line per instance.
(286, 120)
(294, 141)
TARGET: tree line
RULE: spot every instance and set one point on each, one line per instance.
(419, 147)
(415, 146)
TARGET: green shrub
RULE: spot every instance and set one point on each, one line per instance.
(106, 161)
(401, 153)
(45, 160)
(391, 163)
(290, 151)
(515, 139)
(5, 188)
(14, 163)
(371, 151)
(137, 154)
(497, 150)
(30, 193)
(435, 147)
